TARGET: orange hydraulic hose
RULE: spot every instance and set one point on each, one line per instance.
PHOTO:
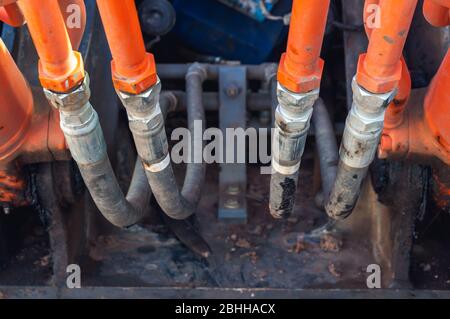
(301, 66)
(60, 68)
(11, 14)
(436, 14)
(394, 113)
(69, 8)
(380, 69)
(134, 69)
(16, 105)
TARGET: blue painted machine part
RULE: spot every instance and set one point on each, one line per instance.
(212, 28)
(252, 8)
(8, 35)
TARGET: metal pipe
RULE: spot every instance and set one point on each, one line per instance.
(379, 70)
(299, 76)
(60, 68)
(133, 69)
(255, 101)
(374, 88)
(301, 67)
(261, 72)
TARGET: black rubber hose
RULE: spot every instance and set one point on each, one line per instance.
(180, 205)
(102, 183)
(326, 146)
(195, 172)
(105, 191)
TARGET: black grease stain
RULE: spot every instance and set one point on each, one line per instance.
(287, 196)
(388, 39)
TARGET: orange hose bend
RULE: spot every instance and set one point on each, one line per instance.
(133, 69)
(301, 67)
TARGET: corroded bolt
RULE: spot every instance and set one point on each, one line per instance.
(232, 90)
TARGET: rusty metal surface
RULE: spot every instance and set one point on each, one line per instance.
(43, 292)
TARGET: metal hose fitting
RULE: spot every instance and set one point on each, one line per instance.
(359, 145)
(81, 127)
(146, 123)
(292, 122)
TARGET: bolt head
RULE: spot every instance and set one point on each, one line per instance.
(363, 123)
(233, 91)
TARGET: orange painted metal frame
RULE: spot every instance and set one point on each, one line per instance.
(133, 69)
(29, 127)
(29, 130)
(425, 132)
(301, 67)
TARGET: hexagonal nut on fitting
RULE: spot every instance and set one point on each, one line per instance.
(142, 104)
(296, 102)
(292, 124)
(377, 84)
(371, 102)
(296, 81)
(73, 99)
(146, 125)
(365, 124)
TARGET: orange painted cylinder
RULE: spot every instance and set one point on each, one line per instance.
(11, 14)
(380, 69)
(124, 35)
(16, 105)
(437, 105)
(306, 32)
(436, 14)
(47, 28)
